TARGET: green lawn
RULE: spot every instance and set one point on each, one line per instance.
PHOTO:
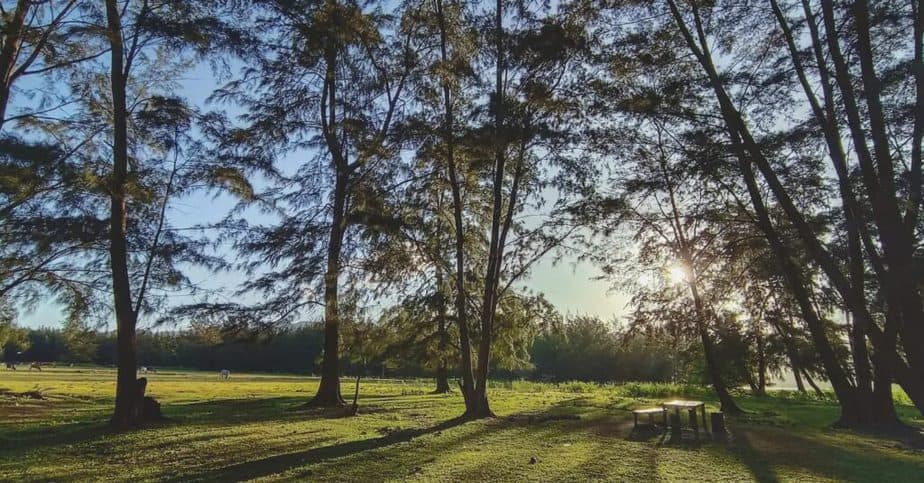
(251, 428)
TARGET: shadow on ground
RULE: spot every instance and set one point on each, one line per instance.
(280, 463)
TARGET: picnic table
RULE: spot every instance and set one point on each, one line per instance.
(691, 406)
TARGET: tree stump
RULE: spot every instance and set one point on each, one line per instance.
(718, 425)
(150, 409)
(146, 408)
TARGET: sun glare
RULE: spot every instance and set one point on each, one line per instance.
(677, 274)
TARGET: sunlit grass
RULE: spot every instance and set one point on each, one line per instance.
(251, 428)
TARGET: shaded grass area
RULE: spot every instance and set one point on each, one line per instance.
(251, 428)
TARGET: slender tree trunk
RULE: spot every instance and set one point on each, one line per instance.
(477, 405)
(686, 255)
(808, 379)
(728, 405)
(465, 342)
(761, 361)
(328, 394)
(127, 411)
(796, 372)
(791, 352)
(442, 369)
(752, 383)
(329, 389)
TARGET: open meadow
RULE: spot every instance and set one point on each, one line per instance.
(251, 427)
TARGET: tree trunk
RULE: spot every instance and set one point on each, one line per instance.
(128, 405)
(751, 382)
(465, 343)
(860, 354)
(882, 405)
(477, 406)
(442, 379)
(761, 363)
(791, 352)
(329, 389)
(442, 369)
(797, 374)
(355, 407)
(728, 405)
(808, 379)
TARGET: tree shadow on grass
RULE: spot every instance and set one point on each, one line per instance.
(830, 459)
(95, 426)
(27, 440)
(279, 463)
(758, 464)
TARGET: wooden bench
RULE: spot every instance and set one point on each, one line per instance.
(650, 412)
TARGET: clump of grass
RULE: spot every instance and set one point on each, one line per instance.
(809, 396)
(653, 390)
(579, 387)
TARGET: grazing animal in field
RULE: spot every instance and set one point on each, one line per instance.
(224, 374)
(11, 366)
(35, 365)
(143, 370)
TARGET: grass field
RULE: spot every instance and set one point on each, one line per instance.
(251, 428)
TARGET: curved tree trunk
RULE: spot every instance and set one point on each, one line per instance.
(728, 405)
(811, 382)
(797, 374)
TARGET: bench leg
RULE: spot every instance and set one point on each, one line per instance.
(635, 415)
(693, 423)
(705, 427)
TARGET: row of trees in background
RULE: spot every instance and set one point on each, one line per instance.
(576, 349)
(750, 172)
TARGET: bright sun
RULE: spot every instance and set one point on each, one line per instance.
(678, 274)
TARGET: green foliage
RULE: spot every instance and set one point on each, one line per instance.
(13, 340)
(586, 348)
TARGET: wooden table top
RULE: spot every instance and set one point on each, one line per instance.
(679, 403)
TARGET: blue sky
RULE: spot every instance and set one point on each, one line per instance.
(570, 285)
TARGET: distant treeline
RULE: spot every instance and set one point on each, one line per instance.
(583, 349)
